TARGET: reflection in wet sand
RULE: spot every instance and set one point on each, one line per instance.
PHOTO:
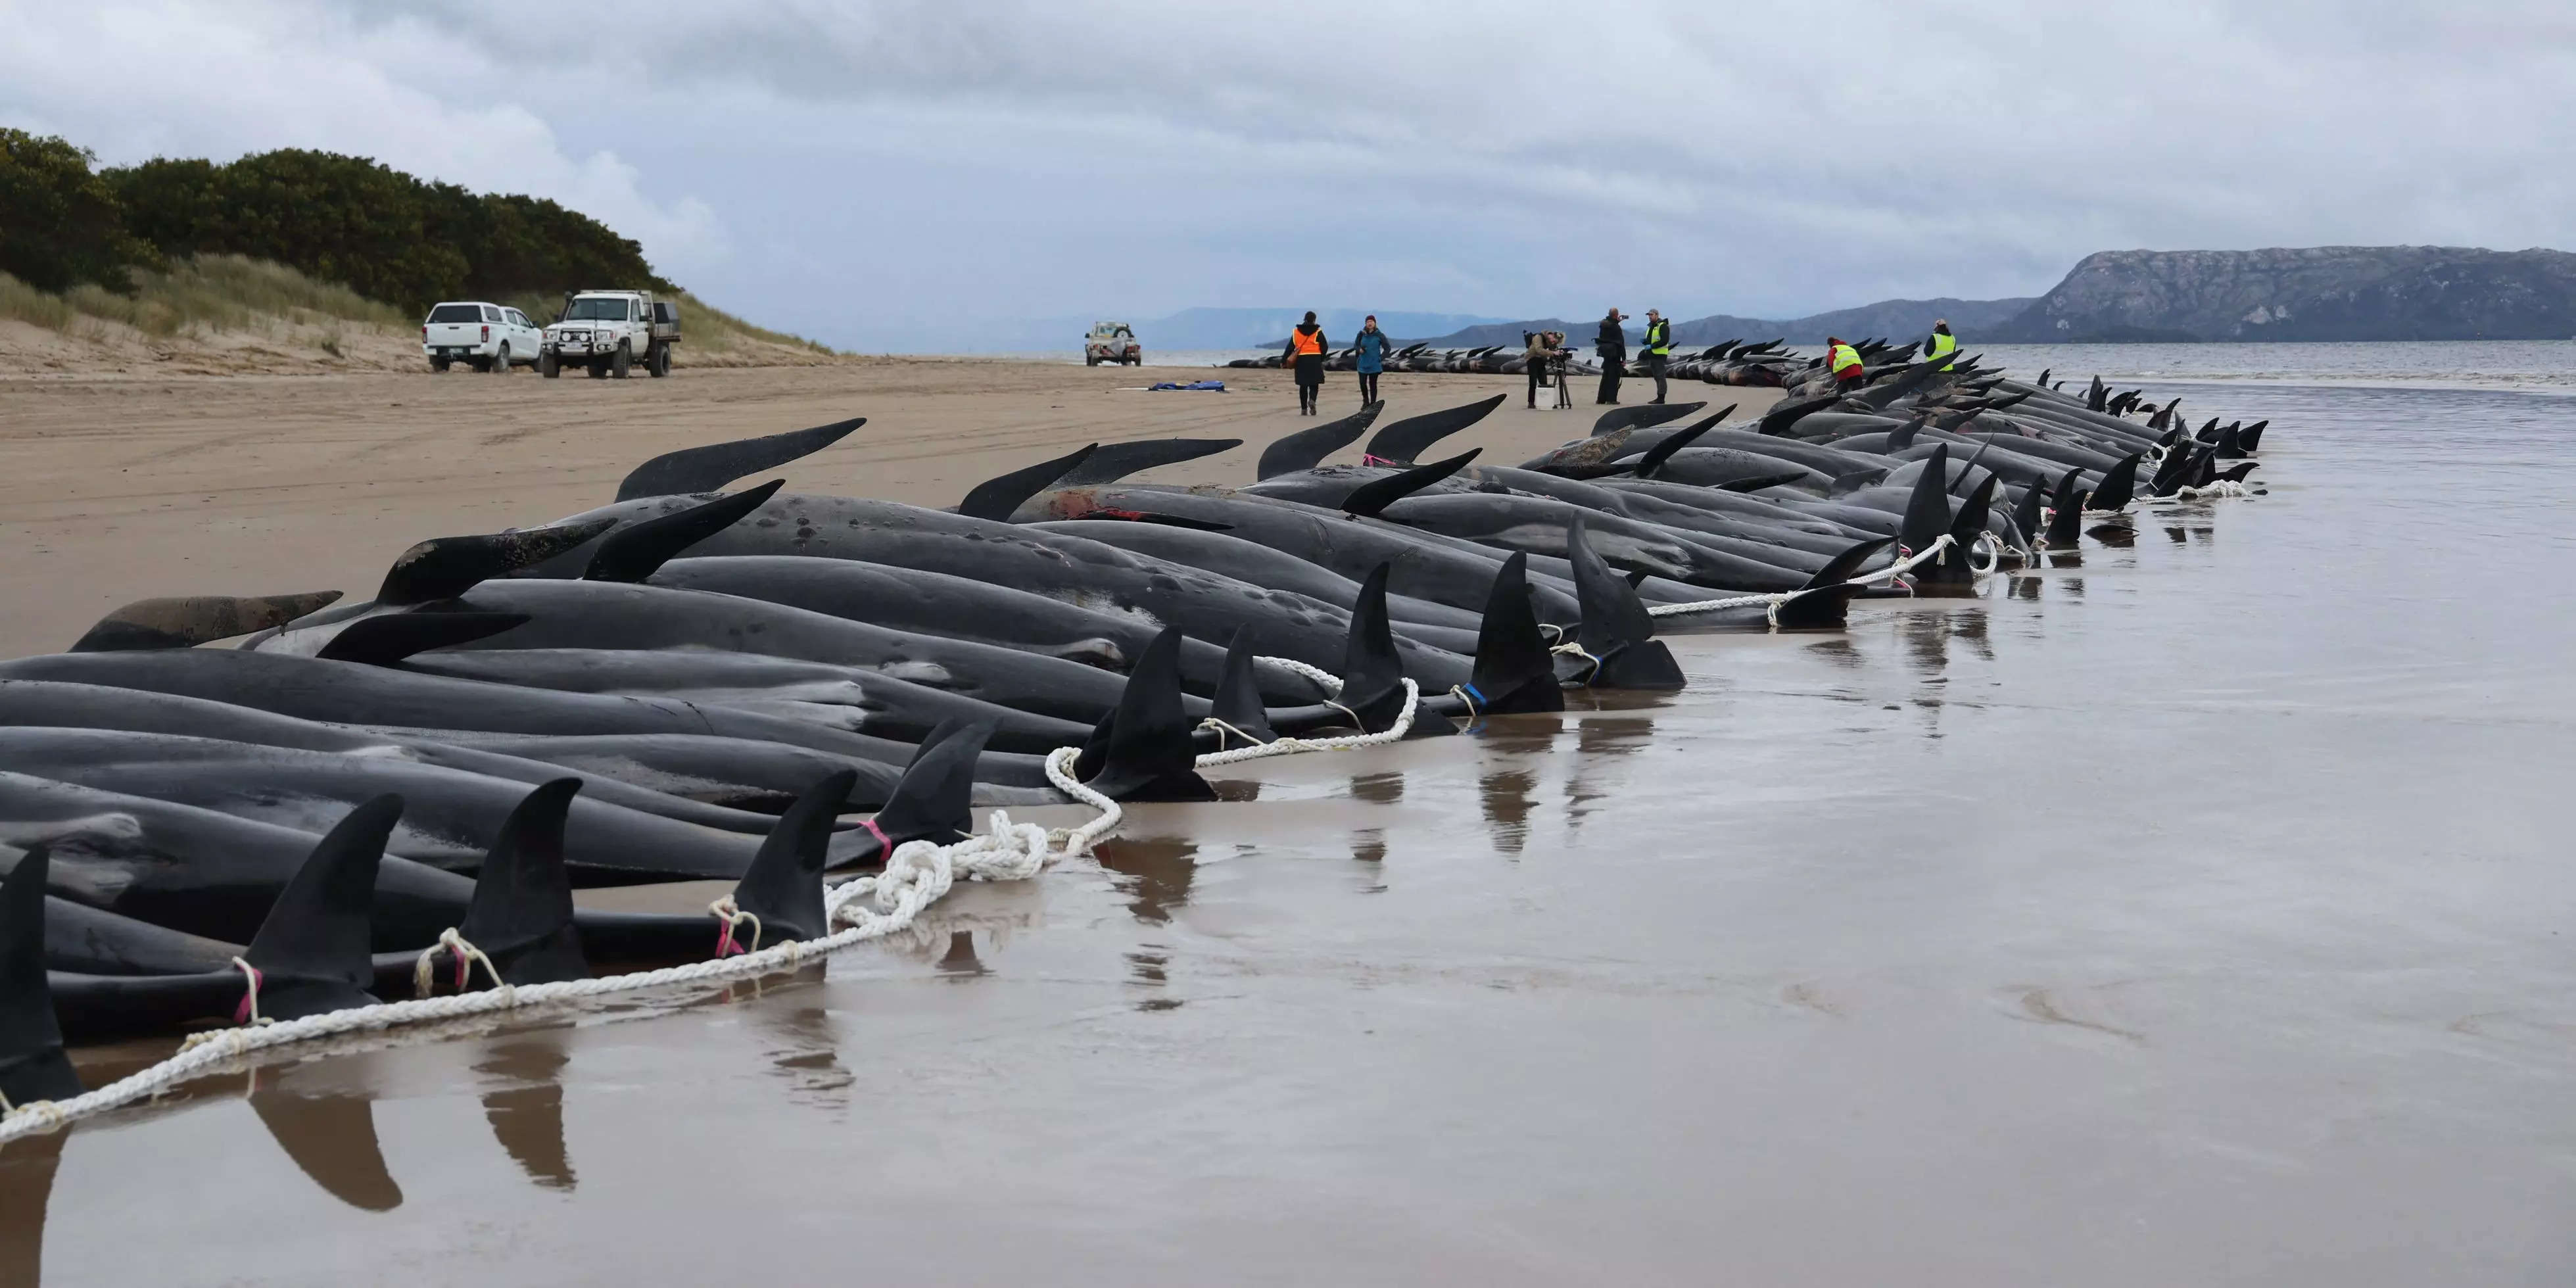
(1838, 651)
(27, 1167)
(528, 1118)
(1378, 789)
(1506, 797)
(1524, 735)
(2118, 536)
(2065, 558)
(1155, 873)
(960, 959)
(2025, 587)
(1368, 845)
(2071, 587)
(332, 1138)
(809, 1049)
(1927, 642)
(2176, 535)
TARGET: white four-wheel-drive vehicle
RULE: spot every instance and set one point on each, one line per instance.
(607, 332)
(487, 337)
(1111, 342)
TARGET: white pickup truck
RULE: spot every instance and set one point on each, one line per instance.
(607, 332)
(486, 337)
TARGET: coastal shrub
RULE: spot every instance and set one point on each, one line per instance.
(60, 223)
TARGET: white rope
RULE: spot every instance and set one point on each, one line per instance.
(424, 978)
(1775, 600)
(917, 874)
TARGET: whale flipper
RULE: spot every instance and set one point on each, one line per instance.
(191, 620)
(445, 567)
(997, 498)
(710, 468)
(1403, 442)
(636, 551)
(1307, 448)
(1116, 461)
(1369, 498)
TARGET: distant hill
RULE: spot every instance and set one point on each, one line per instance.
(1898, 319)
(2321, 293)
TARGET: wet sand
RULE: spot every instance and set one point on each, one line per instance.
(114, 489)
(2193, 911)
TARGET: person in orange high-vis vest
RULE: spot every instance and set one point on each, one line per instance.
(1305, 356)
(1845, 362)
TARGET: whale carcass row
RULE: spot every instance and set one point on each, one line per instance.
(705, 681)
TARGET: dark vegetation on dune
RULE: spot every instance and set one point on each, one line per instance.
(350, 220)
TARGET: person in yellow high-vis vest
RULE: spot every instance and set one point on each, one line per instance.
(1659, 348)
(1844, 361)
(1941, 343)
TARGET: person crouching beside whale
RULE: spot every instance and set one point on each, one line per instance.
(1305, 355)
(1846, 364)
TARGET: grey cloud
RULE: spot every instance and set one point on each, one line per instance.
(888, 173)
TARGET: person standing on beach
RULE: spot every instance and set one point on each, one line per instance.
(1305, 356)
(1372, 358)
(1941, 344)
(1612, 345)
(1659, 349)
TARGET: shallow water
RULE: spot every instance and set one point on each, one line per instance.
(2195, 912)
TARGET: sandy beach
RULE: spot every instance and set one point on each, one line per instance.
(118, 488)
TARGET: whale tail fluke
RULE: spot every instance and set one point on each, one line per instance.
(32, 1064)
(311, 953)
(1143, 750)
(521, 914)
(783, 886)
(1514, 672)
(707, 469)
(636, 551)
(1617, 633)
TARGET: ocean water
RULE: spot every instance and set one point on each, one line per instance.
(2196, 909)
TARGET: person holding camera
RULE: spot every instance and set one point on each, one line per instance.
(1543, 358)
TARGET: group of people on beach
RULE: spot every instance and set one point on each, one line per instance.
(1305, 356)
(1307, 348)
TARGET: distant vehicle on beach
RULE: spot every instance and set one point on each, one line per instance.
(607, 332)
(1112, 342)
(487, 337)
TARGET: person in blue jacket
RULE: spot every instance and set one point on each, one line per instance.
(1373, 348)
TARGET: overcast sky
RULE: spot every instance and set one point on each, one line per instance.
(897, 175)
